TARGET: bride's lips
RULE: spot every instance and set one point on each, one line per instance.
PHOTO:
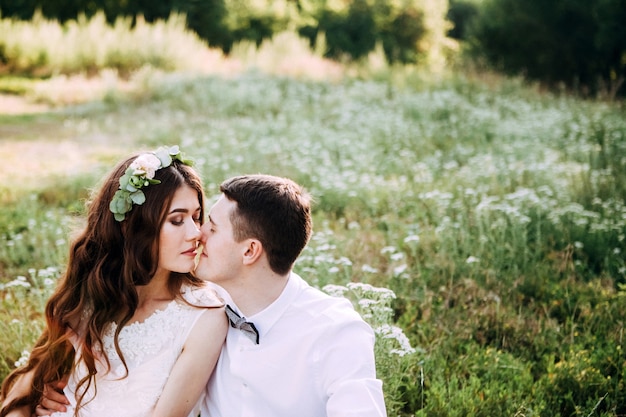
(191, 252)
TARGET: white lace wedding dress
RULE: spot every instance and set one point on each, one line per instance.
(150, 349)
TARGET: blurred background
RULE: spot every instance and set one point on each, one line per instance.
(575, 44)
(467, 159)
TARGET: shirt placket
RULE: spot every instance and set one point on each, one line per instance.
(241, 364)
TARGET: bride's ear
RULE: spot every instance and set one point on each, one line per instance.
(253, 251)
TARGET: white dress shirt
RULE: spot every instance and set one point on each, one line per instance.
(315, 358)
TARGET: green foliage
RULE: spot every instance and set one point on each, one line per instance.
(353, 34)
(460, 14)
(255, 21)
(32, 235)
(401, 36)
(556, 41)
(486, 382)
(22, 302)
(409, 32)
(586, 380)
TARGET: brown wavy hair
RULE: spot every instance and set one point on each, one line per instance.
(107, 261)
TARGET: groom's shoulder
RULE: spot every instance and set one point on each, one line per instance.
(322, 306)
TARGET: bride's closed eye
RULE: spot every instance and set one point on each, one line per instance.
(179, 221)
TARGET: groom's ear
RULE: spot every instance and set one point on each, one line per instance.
(253, 251)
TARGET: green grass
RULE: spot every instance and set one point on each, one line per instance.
(495, 214)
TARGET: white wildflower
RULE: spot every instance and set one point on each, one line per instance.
(400, 269)
(397, 256)
(23, 359)
(393, 332)
(384, 293)
(388, 249)
(344, 261)
(354, 225)
(411, 238)
(20, 281)
(367, 303)
(335, 290)
(360, 287)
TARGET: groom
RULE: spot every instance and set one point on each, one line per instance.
(314, 355)
(291, 350)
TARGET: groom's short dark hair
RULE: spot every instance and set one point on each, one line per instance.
(274, 210)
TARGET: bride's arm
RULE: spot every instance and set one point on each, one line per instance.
(194, 366)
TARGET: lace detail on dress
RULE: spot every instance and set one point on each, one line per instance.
(150, 349)
(143, 339)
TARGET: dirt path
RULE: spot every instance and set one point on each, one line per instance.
(41, 147)
(12, 104)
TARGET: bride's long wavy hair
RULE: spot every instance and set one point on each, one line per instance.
(107, 261)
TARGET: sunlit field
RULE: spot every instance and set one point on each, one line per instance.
(479, 227)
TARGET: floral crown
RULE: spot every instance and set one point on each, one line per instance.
(140, 174)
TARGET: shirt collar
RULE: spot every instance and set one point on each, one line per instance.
(265, 319)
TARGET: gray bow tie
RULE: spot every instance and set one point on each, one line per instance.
(240, 323)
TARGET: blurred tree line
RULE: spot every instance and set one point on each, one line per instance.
(577, 43)
(580, 44)
(351, 27)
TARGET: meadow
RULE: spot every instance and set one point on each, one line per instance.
(478, 223)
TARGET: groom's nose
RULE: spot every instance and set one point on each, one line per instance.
(204, 231)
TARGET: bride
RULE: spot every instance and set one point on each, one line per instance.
(137, 333)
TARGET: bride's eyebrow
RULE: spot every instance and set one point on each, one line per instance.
(183, 210)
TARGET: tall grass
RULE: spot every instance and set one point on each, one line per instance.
(89, 59)
(43, 47)
(484, 222)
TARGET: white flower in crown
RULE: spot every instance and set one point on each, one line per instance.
(146, 164)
